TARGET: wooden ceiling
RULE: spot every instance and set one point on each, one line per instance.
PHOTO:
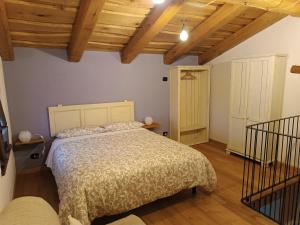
(132, 27)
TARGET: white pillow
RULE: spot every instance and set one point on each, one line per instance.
(123, 126)
(74, 132)
(73, 221)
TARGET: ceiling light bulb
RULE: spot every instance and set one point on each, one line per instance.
(158, 1)
(184, 35)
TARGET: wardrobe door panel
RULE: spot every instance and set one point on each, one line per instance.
(238, 105)
(259, 90)
(239, 79)
(267, 86)
(237, 135)
(204, 84)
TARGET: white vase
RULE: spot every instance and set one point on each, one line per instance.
(25, 136)
(148, 120)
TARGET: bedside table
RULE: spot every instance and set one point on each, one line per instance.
(152, 126)
(34, 140)
(30, 156)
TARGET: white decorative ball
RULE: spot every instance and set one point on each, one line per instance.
(25, 136)
(148, 120)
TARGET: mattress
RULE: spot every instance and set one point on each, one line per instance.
(114, 172)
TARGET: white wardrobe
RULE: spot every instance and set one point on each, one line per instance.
(189, 91)
(257, 86)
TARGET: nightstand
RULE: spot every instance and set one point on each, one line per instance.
(30, 156)
(152, 126)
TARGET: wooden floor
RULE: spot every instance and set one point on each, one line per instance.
(223, 207)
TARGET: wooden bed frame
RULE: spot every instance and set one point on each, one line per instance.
(73, 116)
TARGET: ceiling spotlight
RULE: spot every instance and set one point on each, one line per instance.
(156, 2)
(184, 34)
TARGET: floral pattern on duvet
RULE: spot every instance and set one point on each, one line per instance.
(119, 171)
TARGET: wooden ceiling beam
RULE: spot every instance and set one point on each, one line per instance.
(214, 22)
(259, 24)
(288, 7)
(83, 27)
(6, 48)
(157, 19)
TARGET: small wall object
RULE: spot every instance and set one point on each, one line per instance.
(148, 120)
(25, 136)
(295, 69)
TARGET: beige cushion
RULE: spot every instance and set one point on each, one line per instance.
(129, 220)
(28, 211)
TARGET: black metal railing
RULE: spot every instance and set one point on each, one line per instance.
(272, 168)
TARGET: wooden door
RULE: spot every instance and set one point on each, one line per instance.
(238, 105)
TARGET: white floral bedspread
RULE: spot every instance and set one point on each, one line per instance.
(114, 172)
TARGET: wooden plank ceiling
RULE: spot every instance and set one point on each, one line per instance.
(132, 27)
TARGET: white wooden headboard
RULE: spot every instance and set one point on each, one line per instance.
(72, 116)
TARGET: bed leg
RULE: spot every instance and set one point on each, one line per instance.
(194, 190)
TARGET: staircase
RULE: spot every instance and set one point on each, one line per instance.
(271, 181)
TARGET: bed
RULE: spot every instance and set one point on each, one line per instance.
(116, 171)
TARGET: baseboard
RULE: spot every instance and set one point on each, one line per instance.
(220, 144)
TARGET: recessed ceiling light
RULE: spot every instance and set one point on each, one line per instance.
(158, 1)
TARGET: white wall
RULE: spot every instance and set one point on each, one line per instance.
(282, 37)
(7, 182)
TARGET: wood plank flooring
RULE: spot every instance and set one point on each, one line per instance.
(223, 207)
